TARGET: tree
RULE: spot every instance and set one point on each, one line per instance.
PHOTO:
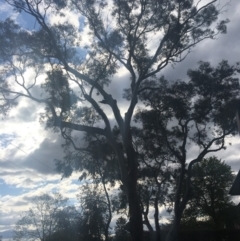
(212, 179)
(199, 111)
(41, 221)
(98, 167)
(67, 225)
(75, 90)
(95, 217)
(120, 230)
(154, 178)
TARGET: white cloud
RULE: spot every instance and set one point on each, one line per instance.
(13, 206)
(68, 16)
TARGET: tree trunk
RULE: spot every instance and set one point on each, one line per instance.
(150, 228)
(174, 231)
(179, 205)
(178, 211)
(156, 219)
(136, 224)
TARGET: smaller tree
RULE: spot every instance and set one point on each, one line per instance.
(120, 230)
(211, 181)
(67, 227)
(41, 221)
(94, 220)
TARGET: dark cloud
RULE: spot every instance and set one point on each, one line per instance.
(26, 114)
(28, 199)
(21, 203)
(42, 159)
(235, 165)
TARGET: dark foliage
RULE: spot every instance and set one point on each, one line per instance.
(211, 181)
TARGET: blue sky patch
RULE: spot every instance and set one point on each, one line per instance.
(9, 189)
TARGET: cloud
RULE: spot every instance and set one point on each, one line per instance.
(42, 159)
(27, 114)
(7, 11)
(65, 16)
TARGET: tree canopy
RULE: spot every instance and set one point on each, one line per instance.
(73, 82)
(212, 179)
(44, 219)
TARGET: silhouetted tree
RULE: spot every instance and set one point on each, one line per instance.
(154, 178)
(42, 220)
(76, 96)
(120, 230)
(95, 216)
(67, 225)
(212, 179)
(198, 112)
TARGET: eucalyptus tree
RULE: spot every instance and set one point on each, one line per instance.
(67, 225)
(212, 179)
(120, 230)
(154, 165)
(142, 37)
(95, 213)
(199, 112)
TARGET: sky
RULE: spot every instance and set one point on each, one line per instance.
(27, 150)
